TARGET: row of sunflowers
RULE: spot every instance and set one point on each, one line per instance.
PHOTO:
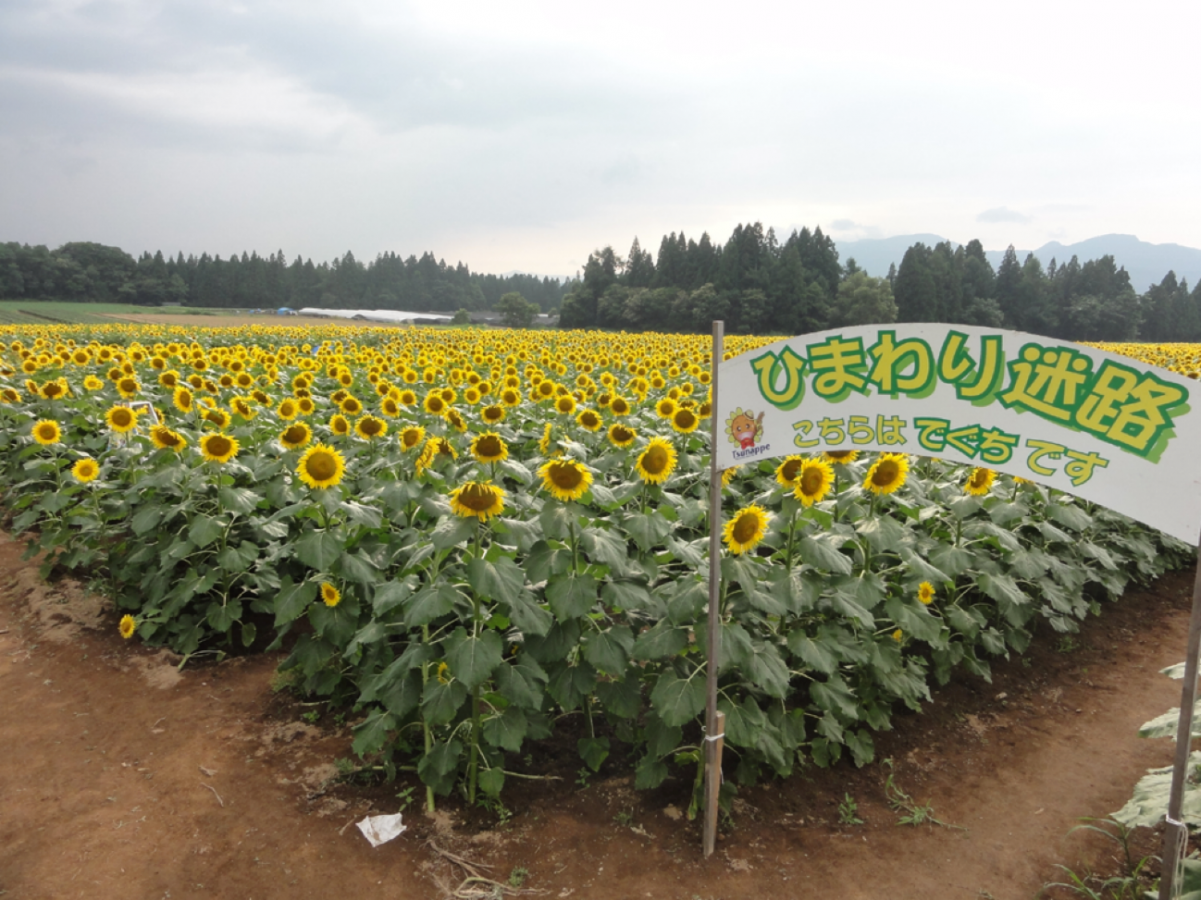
(474, 538)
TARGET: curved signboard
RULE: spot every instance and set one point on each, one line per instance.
(1104, 427)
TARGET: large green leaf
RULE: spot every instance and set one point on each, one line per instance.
(507, 730)
(570, 685)
(472, 658)
(357, 567)
(664, 639)
(371, 734)
(633, 597)
(205, 530)
(593, 751)
(292, 600)
(495, 579)
(528, 616)
(392, 594)
(609, 650)
(239, 500)
(678, 700)
(430, 603)
(821, 553)
(571, 596)
(605, 547)
(441, 701)
(883, 533)
(647, 529)
(622, 699)
(522, 681)
(814, 654)
(833, 695)
(319, 549)
(453, 530)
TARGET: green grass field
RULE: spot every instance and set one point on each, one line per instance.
(39, 312)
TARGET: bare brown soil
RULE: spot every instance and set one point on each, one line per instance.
(122, 777)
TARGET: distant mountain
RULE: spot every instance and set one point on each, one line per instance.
(1147, 263)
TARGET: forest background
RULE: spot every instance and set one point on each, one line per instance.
(755, 282)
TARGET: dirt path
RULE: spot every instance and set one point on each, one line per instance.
(121, 777)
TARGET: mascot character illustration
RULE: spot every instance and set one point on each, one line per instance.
(742, 429)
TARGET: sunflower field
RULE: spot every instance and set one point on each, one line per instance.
(473, 538)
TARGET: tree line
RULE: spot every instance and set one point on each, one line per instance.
(755, 282)
(760, 285)
(89, 272)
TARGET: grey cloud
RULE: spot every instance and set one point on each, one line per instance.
(843, 225)
(1002, 214)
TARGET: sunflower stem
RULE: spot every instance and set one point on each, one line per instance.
(425, 725)
(473, 766)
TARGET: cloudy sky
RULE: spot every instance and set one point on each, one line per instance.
(522, 134)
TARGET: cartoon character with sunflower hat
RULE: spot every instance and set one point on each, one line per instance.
(742, 429)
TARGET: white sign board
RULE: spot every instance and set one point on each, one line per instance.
(1104, 427)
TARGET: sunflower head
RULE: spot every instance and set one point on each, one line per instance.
(813, 481)
(621, 435)
(925, 593)
(128, 626)
(589, 420)
(788, 470)
(352, 406)
(339, 425)
(493, 415)
(330, 595)
(565, 404)
(412, 437)
(46, 432)
(369, 427)
(746, 529)
(218, 417)
(287, 409)
(979, 482)
(218, 448)
(842, 457)
(85, 470)
(657, 462)
(480, 499)
(295, 436)
(566, 479)
(887, 473)
(321, 467)
(489, 447)
(684, 420)
(164, 438)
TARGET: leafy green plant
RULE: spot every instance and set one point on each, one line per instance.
(910, 812)
(848, 811)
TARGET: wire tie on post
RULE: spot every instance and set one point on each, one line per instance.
(716, 737)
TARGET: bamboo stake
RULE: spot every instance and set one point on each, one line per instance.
(714, 721)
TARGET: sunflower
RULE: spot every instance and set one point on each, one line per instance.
(321, 466)
(182, 398)
(887, 473)
(295, 436)
(979, 482)
(352, 406)
(128, 387)
(685, 421)
(121, 419)
(925, 593)
(510, 397)
(85, 470)
(330, 595)
(287, 409)
(218, 417)
(92, 383)
(455, 419)
(169, 379)
(407, 398)
(434, 404)
(589, 420)
(619, 406)
(243, 407)
(338, 424)
(746, 529)
(665, 408)
(390, 407)
(544, 442)
(621, 435)
(164, 438)
(305, 405)
(493, 415)
(369, 427)
(788, 470)
(479, 499)
(128, 626)
(813, 481)
(898, 635)
(844, 457)
(46, 432)
(489, 447)
(728, 475)
(411, 437)
(657, 462)
(566, 479)
(565, 404)
(56, 389)
(218, 448)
